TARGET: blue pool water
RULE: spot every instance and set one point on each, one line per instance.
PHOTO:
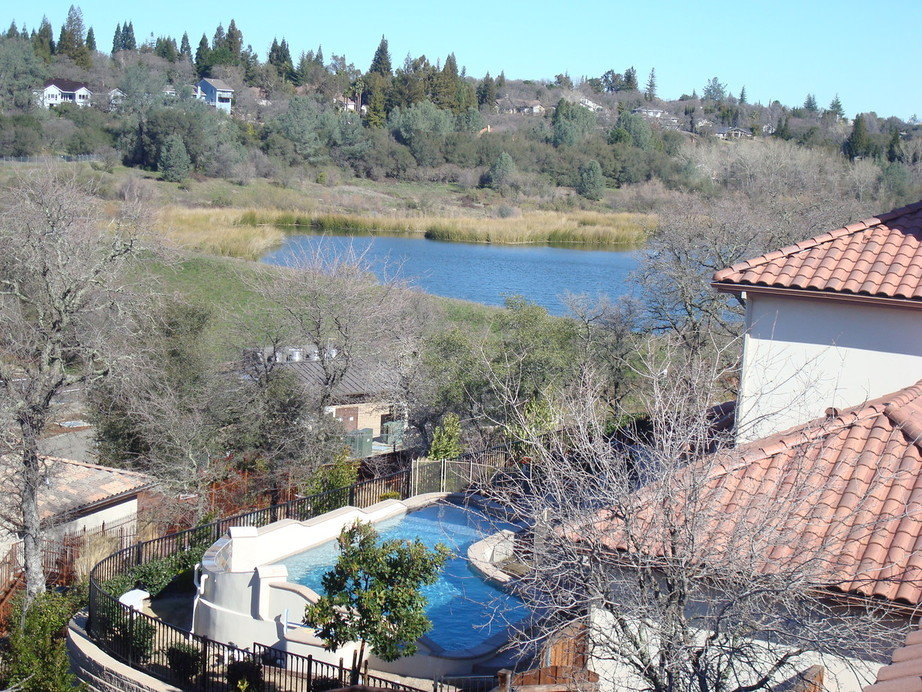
(464, 609)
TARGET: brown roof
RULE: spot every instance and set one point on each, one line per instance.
(844, 493)
(879, 257)
(66, 84)
(73, 487)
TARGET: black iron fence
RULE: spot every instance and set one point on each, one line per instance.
(194, 662)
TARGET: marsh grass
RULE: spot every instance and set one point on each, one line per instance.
(250, 233)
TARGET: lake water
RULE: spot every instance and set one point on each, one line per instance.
(480, 272)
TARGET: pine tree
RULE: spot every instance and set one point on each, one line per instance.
(742, 98)
(280, 58)
(650, 92)
(203, 57)
(219, 39)
(128, 41)
(381, 62)
(91, 40)
(43, 41)
(486, 92)
(835, 107)
(234, 40)
(501, 81)
(376, 115)
(894, 148)
(13, 31)
(185, 48)
(117, 40)
(174, 163)
(590, 181)
(71, 41)
(630, 79)
(446, 439)
(858, 143)
(810, 103)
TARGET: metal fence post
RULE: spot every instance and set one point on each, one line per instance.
(310, 676)
(130, 647)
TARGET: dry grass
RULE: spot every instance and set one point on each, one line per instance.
(250, 233)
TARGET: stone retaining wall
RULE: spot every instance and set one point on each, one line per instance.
(99, 671)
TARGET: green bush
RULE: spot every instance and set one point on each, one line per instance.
(35, 658)
(248, 672)
(323, 684)
(389, 495)
(184, 660)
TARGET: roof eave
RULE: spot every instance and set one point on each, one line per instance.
(808, 294)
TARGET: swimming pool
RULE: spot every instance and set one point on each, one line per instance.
(465, 610)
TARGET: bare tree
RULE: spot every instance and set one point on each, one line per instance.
(62, 264)
(680, 585)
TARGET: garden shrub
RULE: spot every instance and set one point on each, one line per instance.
(323, 684)
(184, 660)
(248, 672)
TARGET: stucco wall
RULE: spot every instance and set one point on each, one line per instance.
(802, 356)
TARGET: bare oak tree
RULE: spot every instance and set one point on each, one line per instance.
(62, 264)
(677, 587)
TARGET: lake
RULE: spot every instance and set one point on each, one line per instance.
(481, 273)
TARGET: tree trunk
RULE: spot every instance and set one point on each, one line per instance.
(31, 521)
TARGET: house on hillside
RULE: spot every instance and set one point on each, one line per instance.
(58, 91)
(79, 499)
(215, 93)
(731, 133)
(591, 105)
(512, 106)
(361, 398)
(831, 322)
(652, 113)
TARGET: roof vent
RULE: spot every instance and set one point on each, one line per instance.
(832, 412)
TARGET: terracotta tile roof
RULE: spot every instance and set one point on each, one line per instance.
(844, 493)
(878, 257)
(904, 674)
(75, 486)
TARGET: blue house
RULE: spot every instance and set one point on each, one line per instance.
(215, 93)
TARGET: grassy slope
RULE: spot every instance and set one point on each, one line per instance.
(221, 284)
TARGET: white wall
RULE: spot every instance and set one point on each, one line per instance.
(802, 356)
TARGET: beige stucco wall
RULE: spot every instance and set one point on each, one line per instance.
(369, 414)
(803, 356)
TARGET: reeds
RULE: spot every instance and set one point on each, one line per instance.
(250, 233)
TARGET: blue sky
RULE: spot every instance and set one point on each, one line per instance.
(868, 53)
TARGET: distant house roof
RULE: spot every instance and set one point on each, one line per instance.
(861, 468)
(358, 382)
(904, 674)
(74, 487)
(66, 84)
(878, 258)
(218, 84)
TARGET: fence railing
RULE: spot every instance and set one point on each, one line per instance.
(195, 662)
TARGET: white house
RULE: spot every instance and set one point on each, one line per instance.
(58, 91)
(216, 93)
(655, 113)
(831, 322)
(591, 105)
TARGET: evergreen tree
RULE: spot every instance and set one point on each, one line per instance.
(376, 115)
(280, 59)
(446, 439)
(445, 91)
(810, 104)
(185, 48)
(174, 163)
(894, 148)
(72, 39)
(117, 40)
(630, 79)
(91, 40)
(381, 62)
(742, 98)
(858, 143)
(714, 90)
(835, 107)
(43, 41)
(782, 129)
(501, 173)
(128, 41)
(590, 181)
(219, 39)
(650, 92)
(13, 31)
(203, 57)
(234, 40)
(486, 92)
(501, 81)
